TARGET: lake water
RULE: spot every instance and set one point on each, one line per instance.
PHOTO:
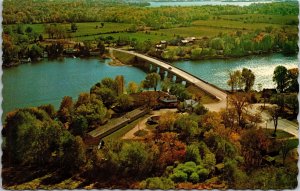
(200, 3)
(216, 71)
(49, 81)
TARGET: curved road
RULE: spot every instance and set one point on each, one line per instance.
(220, 95)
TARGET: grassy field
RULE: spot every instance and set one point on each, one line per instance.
(199, 28)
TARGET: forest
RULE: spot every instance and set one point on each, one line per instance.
(220, 31)
(187, 147)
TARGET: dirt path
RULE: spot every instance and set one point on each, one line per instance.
(142, 124)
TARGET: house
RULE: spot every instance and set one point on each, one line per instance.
(169, 101)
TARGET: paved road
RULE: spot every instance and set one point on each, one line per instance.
(283, 124)
(220, 95)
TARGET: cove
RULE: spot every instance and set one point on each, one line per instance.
(50, 80)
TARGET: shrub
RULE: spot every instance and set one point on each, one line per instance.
(179, 176)
(194, 178)
(157, 183)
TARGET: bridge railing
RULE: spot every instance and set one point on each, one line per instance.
(189, 74)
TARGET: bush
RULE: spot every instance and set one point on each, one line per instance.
(200, 109)
(194, 178)
(179, 176)
(141, 133)
(192, 154)
(157, 183)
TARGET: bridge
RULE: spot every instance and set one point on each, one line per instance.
(163, 68)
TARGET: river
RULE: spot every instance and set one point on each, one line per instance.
(50, 80)
(201, 3)
(216, 71)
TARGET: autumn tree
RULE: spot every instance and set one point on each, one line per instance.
(132, 88)
(239, 101)
(65, 111)
(120, 84)
(292, 81)
(274, 116)
(166, 121)
(235, 80)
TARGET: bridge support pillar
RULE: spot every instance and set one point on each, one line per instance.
(187, 84)
(153, 68)
(162, 73)
(178, 79)
(170, 76)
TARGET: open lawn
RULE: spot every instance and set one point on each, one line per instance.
(121, 132)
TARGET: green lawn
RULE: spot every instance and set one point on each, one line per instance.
(279, 133)
(121, 132)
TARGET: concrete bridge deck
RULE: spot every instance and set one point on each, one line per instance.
(205, 86)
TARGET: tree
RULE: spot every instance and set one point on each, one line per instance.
(109, 83)
(187, 127)
(239, 101)
(74, 27)
(280, 78)
(292, 80)
(248, 79)
(65, 111)
(79, 125)
(72, 153)
(28, 29)
(133, 158)
(180, 92)
(120, 83)
(107, 95)
(235, 80)
(124, 102)
(292, 102)
(32, 137)
(102, 25)
(166, 84)
(151, 81)
(132, 88)
(35, 52)
(274, 113)
(166, 121)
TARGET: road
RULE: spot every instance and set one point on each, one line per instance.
(283, 124)
(220, 95)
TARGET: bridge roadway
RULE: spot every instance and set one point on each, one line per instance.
(205, 86)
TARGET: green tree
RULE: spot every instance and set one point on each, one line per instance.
(35, 52)
(79, 125)
(248, 79)
(28, 29)
(151, 81)
(187, 127)
(180, 92)
(133, 158)
(74, 27)
(107, 95)
(280, 78)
